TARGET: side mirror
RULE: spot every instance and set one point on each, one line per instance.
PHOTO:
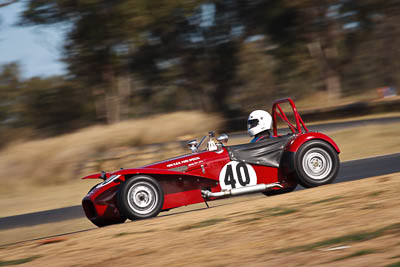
(223, 138)
(192, 144)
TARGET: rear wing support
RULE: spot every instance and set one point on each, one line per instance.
(277, 111)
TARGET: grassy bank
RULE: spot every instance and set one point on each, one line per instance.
(61, 159)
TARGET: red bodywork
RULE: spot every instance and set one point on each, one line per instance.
(182, 178)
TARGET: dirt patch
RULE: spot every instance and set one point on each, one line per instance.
(354, 223)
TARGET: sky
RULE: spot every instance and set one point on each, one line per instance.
(36, 48)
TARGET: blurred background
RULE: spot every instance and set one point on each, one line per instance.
(125, 59)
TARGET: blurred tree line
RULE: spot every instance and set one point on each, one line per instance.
(131, 58)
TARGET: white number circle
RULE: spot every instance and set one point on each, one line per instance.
(237, 174)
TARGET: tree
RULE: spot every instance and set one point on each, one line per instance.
(53, 105)
(336, 31)
(6, 3)
(10, 81)
(199, 40)
(195, 48)
(385, 18)
(40, 106)
(102, 35)
(207, 45)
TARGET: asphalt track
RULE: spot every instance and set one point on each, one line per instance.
(349, 171)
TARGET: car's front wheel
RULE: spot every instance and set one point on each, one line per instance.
(140, 197)
(317, 163)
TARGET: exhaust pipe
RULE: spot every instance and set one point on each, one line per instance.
(240, 191)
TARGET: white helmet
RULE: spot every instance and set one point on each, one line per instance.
(259, 121)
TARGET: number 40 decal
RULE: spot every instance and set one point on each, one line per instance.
(237, 174)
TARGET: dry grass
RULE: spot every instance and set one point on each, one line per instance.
(364, 117)
(39, 198)
(250, 231)
(57, 160)
(76, 225)
(320, 100)
(368, 141)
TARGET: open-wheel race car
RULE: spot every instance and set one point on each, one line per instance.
(213, 170)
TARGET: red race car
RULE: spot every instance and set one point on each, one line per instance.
(213, 170)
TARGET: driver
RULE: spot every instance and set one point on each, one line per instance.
(259, 125)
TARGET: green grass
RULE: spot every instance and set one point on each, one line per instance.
(19, 261)
(276, 211)
(371, 207)
(396, 264)
(132, 233)
(395, 257)
(348, 238)
(146, 252)
(331, 199)
(282, 211)
(236, 213)
(376, 193)
(248, 220)
(258, 215)
(356, 254)
(202, 224)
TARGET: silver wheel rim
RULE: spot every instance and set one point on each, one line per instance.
(142, 198)
(317, 163)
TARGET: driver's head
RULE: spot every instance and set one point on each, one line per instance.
(259, 121)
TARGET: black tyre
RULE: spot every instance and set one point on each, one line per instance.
(279, 192)
(316, 163)
(140, 197)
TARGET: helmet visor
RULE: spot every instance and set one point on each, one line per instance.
(252, 123)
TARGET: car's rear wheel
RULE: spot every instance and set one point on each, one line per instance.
(316, 163)
(140, 197)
